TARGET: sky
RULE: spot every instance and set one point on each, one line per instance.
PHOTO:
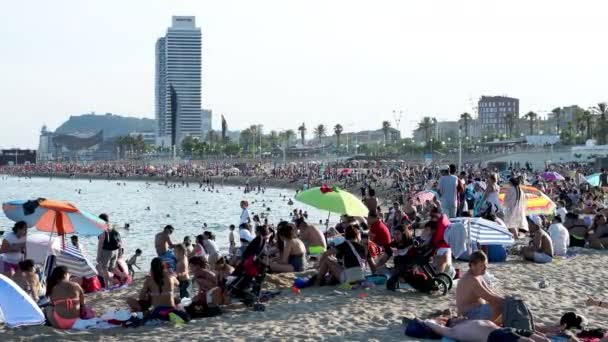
(280, 63)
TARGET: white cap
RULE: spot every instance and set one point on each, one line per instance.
(536, 220)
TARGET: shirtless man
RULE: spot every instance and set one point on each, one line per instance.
(482, 331)
(312, 237)
(162, 240)
(541, 249)
(474, 298)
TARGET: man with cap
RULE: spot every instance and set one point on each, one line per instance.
(541, 248)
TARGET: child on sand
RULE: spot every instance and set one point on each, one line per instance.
(182, 270)
(133, 262)
(27, 279)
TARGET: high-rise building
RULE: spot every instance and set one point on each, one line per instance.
(178, 64)
(206, 122)
(493, 111)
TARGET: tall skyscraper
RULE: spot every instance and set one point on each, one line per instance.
(178, 65)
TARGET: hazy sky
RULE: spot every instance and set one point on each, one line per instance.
(281, 62)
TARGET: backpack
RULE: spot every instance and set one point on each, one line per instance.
(517, 315)
(112, 240)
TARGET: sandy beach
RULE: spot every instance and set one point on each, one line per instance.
(374, 314)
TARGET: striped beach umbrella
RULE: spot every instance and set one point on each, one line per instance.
(485, 232)
(537, 202)
(77, 264)
(54, 217)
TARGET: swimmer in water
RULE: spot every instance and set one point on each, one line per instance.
(168, 215)
(127, 226)
(196, 202)
(290, 202)
(148, 208)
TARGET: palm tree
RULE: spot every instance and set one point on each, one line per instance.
(273, 138)
(602, 130)
(426, 126)
(511, 120)
(320, 132)
(386, 126)
(302, 130)
(587, 117)
(435, 128)
(531, 116)
(557, 114)
(465, 118)
(224, 129)
(338, 129)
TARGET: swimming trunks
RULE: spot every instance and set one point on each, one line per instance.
(508, 335)
(483, 311)
(316, 250)
(297, 261)
(577, 241)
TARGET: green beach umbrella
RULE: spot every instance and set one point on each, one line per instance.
(334, 200)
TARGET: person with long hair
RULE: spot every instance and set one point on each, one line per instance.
(12, 250)
(158, 290)
(292, 256)
(515, 208)
(67, 298)
(491, 193)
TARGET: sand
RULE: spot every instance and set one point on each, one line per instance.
(328, 313)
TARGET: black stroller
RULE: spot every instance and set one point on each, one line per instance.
(247, 286)
(415, 268)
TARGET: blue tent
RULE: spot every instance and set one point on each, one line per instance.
(16, 306)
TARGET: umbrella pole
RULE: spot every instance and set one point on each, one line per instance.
(327, 222)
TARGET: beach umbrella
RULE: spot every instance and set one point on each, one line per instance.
(552, 176)
(423, 196)
(594, 179)
(16, 306)
(334, 200)
(53, 216)
(77, 264)
(485, 232)
(537, 202)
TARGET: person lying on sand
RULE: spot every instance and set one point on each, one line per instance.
(474, 298)
(482, 331)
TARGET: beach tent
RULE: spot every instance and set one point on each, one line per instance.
(72, 258)
(16, 306)
(40, 245)
(485, 232)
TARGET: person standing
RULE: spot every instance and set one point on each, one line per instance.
(12, 249)
(448, 192)
(107, 251)
(515, 208)
(604, 178)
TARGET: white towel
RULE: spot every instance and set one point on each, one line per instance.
(456, 237)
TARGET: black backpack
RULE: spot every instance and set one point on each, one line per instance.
(112, 241)
(516, 314)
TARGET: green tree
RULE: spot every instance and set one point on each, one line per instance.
(338, 129)
(531, 117)
(557, 114)
(586, 117)
(320, 132)
(602, 127)
(302, 130)
(224, 129)
(386, 127)
(465, 119)
(189, 144)
(426, 126)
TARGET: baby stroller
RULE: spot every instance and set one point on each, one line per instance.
(247, 286)
(415, 269)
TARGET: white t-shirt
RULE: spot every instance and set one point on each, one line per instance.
(244, 216)
(13, 257)
(560, 238)
(211, 247)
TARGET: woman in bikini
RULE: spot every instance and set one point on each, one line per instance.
(204, 279)
(158, 290)
(67, 298)
(293, 252)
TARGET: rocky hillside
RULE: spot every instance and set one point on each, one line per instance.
(112, 125)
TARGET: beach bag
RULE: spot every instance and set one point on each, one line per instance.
(497, 253)
(516, 314)
(249, 267)
(91, 284)
(203, 310)
(354, 274)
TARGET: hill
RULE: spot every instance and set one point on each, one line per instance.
(112, 125)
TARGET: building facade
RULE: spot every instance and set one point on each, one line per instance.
(178, 65)
(493, 112)
(206, 122)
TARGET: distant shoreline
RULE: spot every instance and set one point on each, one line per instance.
(217, 180)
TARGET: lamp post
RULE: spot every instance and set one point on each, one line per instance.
(460, 148)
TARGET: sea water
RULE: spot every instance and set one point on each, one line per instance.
(126, 202)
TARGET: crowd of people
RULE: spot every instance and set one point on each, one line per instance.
(398, 235)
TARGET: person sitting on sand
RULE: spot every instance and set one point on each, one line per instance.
(292, 256)
(577, 228)
(483, 331)
(559, 236)
(311, 236)
(181, 272)
(349, 254)
(541, 248)
(599, 238)
(67, 298)
(157, 291)
(474, 298)
(162, 241)
(205, 280)
(27, 279)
